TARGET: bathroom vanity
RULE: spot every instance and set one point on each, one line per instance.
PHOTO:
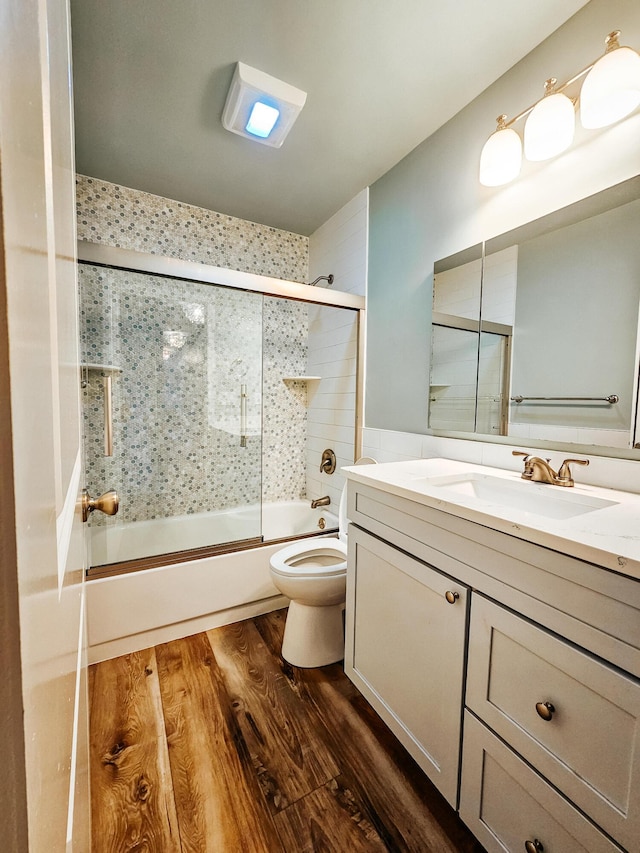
(494, 624)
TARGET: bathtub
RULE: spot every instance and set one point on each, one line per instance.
(116, 542)
(133, 611)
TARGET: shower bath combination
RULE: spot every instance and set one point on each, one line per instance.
(200, 414)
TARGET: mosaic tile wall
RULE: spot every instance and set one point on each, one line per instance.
(184, 350)
(130, 219)
(284, 426)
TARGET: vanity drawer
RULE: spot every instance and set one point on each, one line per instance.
(590, 747)
(506, 804)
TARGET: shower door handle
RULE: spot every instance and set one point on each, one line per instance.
(243, 416)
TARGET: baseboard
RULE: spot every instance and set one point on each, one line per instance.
(166, 633)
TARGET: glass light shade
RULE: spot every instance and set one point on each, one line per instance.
(611, 89)
(549, 128)
(501, 158)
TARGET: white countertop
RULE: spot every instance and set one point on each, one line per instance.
(608, 536)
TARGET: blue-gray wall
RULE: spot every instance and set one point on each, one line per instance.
(431, 205)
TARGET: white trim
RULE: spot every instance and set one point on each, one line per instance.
(167, 633)
(64, 522)
(76, 718)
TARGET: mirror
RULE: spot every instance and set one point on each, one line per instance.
(535, 334)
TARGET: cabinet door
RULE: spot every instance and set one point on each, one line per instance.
(405, 651)
(509, 808)
(589, 748)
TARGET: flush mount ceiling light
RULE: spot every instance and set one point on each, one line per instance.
(260, 106)
(611, 91)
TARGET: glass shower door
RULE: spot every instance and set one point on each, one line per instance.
(184, 364)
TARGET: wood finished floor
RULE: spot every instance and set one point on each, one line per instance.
(214, 743)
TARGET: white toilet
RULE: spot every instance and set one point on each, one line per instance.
(313, 574)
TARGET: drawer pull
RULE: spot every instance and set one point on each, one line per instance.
(545, 710)
(451, 596)
(534, 846)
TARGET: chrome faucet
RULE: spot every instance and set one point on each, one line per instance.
(325, 501)
(540, 471)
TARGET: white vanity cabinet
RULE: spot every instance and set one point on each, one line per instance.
(566, 712)
(536, 667)
(510, 807)
(406, 651)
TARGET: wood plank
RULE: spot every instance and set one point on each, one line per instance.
(329, 819)
(271, 626)
(131, 789)
(218, 799)
(407, 811)
(289, 758)
(219, 754)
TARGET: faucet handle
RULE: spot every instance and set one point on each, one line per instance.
(527, 474)
(565, 472)
(328, 462)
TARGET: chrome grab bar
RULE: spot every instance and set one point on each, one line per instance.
(612, 398)
(243, 416)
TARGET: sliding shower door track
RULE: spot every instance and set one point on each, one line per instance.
(157, 561)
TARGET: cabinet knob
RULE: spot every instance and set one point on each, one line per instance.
(534, 846)
(451, 596)
(545, 710)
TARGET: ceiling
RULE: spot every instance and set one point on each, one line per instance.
(151, 78)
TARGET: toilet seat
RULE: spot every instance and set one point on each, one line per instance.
(310, 559)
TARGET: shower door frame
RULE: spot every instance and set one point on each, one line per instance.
(128, 260)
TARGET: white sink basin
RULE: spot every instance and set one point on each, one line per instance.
(536, 498)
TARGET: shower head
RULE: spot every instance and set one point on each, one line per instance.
(327, 278)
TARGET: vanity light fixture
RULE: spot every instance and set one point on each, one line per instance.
(550, 125)
(610, 92)
(261, 107)
(501, 156)
(611, 89)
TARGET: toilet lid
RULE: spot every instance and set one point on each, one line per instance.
(311, 558)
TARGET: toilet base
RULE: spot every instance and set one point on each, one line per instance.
(313, 635)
